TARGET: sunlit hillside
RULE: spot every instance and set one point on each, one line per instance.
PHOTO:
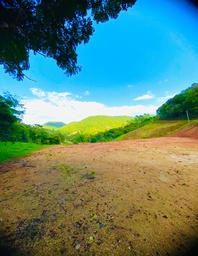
(53, 125)
(94, 124)
(156, 129)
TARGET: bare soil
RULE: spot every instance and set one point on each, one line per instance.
(190, 131)
(120, 198)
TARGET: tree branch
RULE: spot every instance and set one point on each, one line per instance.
(40, 54)
(29, 78)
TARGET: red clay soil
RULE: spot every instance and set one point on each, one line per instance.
(189, 132)
(127, 198)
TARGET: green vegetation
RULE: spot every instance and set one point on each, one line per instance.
(10, 113)
(113, 134)
(53, 125)
(66, 169)
(18, 149)
(50, 28)
(91, 175)
(182, 104)
(157, 129)
(36, 134)
(11, 129)
(94, 124)
(99, 128)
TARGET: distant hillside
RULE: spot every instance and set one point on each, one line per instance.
(156, 129)
(94, 124)
(52, 125)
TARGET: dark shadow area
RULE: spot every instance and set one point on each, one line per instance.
(9, 251)
(190, 250)
(194, 2)
(193, 249)
(27, 232)
(7, 248)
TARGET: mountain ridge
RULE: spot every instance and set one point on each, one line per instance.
(94, 124)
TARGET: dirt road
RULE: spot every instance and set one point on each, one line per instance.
(121, 198)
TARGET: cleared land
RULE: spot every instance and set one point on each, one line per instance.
(121, 198)
(178, 128)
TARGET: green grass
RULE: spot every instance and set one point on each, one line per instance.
(17, 149)
(156, 129)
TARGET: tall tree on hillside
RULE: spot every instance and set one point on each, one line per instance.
(52, 28)
(177, 106)
(10, 113)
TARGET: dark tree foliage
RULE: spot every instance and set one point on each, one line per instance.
(36, 134)
(10, 113)
(176, 107)
(52, 28)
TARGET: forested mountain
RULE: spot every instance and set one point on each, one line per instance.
(52, 125)
(181, 104)
(91, 129)
(94, 124)
(114, 133)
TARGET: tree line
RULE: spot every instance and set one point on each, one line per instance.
(114, 133)
(11, 128)
(181, 105)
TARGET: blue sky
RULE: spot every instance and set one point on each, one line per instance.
(130, 66)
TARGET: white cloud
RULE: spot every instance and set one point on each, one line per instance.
(146, 96)
(53, 106)
(87, 93)
(165, 98)
(37, 92)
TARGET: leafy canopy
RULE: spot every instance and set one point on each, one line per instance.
(11, 128)
(52, 28)
(176, 107)
(10, 113)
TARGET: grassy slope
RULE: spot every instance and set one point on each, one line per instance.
(17, 149)
(157, 129)
(94, 124)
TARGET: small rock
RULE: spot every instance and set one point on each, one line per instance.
(77, 247)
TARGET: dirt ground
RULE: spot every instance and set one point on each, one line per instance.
(120, 198)
(190, 131)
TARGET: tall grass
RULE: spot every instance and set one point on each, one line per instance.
(17, 149)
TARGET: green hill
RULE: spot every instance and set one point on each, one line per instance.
(181, 104)
(94, 124)
(53, 125)
(156, 129)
